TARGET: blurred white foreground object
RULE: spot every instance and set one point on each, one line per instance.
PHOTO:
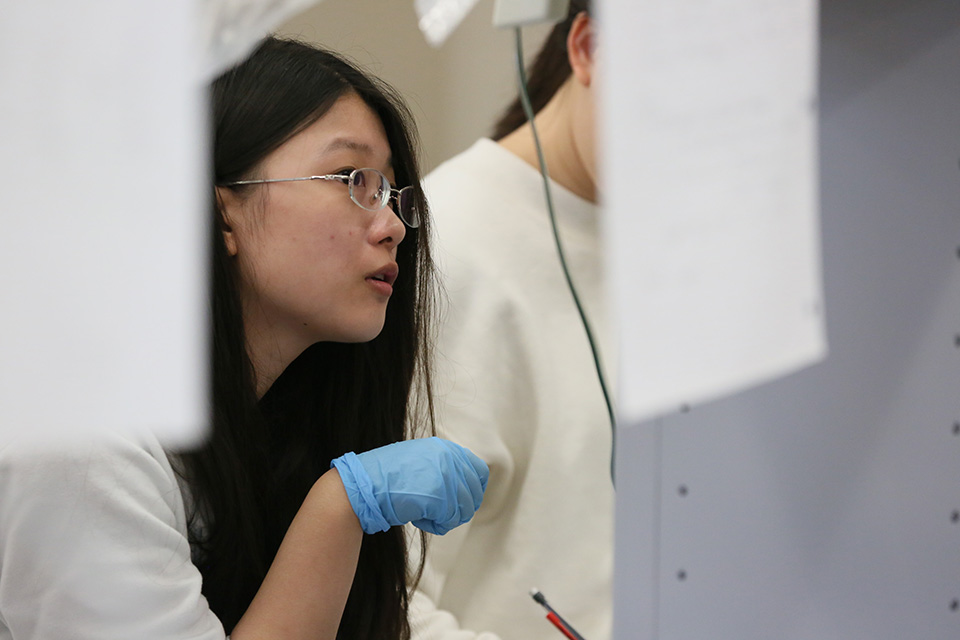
(231, 28)
(103, 211)
(709, 175)
(518, 13)
(438, 18)
(102, 221)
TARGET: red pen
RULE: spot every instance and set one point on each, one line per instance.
(558, 623)
(555, 618)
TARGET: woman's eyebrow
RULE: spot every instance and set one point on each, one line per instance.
(350, 144)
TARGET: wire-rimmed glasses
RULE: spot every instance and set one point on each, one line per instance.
(369, 189)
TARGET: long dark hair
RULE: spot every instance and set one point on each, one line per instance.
(550, 69)
(262, 457)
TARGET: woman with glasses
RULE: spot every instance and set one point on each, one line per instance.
(285, 523)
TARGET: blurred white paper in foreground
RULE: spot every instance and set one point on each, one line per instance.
(438, 18)
(232, 28)
(709, 175)
(103, 220)
(103, 210)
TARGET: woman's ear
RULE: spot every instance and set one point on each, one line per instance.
(227, 204)
(580, 48)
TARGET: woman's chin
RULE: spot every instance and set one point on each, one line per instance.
(360, 333)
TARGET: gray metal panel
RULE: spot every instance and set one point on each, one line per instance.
(822, 505)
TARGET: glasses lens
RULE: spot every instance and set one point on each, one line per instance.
(370, 189)
(407, 210)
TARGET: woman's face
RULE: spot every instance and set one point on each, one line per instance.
(315, 266)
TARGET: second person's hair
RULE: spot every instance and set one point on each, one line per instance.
(550, 69)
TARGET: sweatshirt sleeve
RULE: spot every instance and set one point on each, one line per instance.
(93, 546)
(431, 623)
(483, 404)
(515, 383)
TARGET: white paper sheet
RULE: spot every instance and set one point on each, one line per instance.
(102, 220)
(709, 155)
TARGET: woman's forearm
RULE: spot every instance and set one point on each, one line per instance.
(305, 590)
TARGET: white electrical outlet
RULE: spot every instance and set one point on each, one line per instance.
(519, 13)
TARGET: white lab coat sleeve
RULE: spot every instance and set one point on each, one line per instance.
(93, 546)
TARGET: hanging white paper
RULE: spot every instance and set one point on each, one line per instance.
(709, 175)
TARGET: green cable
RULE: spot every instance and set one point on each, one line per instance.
(528, 110)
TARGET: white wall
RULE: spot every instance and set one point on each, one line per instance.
(456, 91)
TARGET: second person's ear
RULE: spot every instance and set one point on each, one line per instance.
(580, 48)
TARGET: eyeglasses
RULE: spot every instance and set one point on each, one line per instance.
(369, 189)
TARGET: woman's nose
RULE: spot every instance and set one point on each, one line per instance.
(388, 228)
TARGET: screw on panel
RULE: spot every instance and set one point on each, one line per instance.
(955, 516)
(956, 428)
(683, 490)
(685, 408)
(681, 575)
(954, 604)
(956, 340)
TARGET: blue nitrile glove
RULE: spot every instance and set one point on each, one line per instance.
(434, 484)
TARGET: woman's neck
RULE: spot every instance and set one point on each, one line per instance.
(269, 354)
(268, 364)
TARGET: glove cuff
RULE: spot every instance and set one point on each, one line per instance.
(360, 493)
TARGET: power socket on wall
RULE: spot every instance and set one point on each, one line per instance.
(508, 14)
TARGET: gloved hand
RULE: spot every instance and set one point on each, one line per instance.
(435, 484)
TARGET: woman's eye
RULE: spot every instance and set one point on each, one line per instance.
(344, 173)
